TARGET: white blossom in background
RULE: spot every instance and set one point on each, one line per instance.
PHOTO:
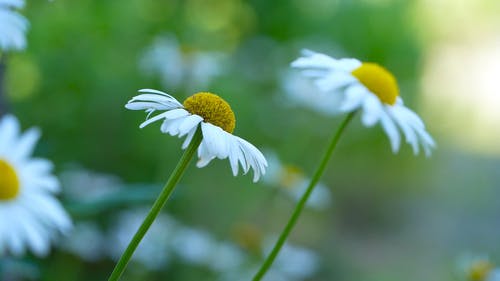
(370, 89)
(477, 268)
(87, 186)
(193, 246)
(154, 252)
(31, 216)
(13, 26)
(87, 241)
(292, 181)
(294, 263)
(178, 67)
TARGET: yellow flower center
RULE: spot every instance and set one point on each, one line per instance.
(379, 81)
(213, 109)
(290, 176)
(480, 270)
(9, 183)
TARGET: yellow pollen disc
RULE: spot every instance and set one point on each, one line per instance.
(290, 176)
(379, 81)
(9, 183)
(213, 109)
(480, 270)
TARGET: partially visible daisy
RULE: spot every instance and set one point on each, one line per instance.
(292, 180)
(373, 90)
(155, 251)
(31, 215)
(178, 67)
(13, 26)
(213, 116)
(478, 268)
(295, 263)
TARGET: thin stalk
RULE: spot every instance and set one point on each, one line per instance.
(159, 203)
(300, 205)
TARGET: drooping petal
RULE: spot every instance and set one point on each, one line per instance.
(254, 158)
(410, 135)
(215, 140)
(354, 96)
(391, 131)
(188, 124)
(372, 109)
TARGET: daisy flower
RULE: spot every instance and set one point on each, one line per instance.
(373, 90)
(478, 268)
(13, 26)
(31, 215)
(177, 68)
(215, 118)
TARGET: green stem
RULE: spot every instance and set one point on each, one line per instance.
(300, 205)
(155, 210)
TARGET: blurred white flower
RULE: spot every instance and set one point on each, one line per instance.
(226, 257)
(477, 268)
(293, 263)
(292, 181)
(215, 118)
(13, 26)
(193, 246)
(494, 275)
(371, 89)
(177, 67)
(154, 252)
(87, 241)
(31, 215)
(84, 185)
(297, 263)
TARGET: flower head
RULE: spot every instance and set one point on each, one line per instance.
(292, 181)
(13, 26)
(215, 118)
(478, 268)
(370, 88)
(31, 215)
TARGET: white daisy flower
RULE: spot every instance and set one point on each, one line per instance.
(177, 67)
(477, 268)
(31, 215)
(292, 180)
(154, 252)
(13, 26)
(371, 89)
(215, 118)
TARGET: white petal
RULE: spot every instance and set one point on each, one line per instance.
(215, 140)
(188, 124)
(204, 155)
(334, 80)
(410, 135)
(391, 131)
(254, 158)
(372, 109)
(354, 97)
(26, 143)
(189, 137)
(153, 119)
(172, 126)
(9, 131)
(312, 59)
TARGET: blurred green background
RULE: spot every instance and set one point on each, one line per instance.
(392, 217)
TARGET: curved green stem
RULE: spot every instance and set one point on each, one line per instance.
(155, 210)
(300, 205)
